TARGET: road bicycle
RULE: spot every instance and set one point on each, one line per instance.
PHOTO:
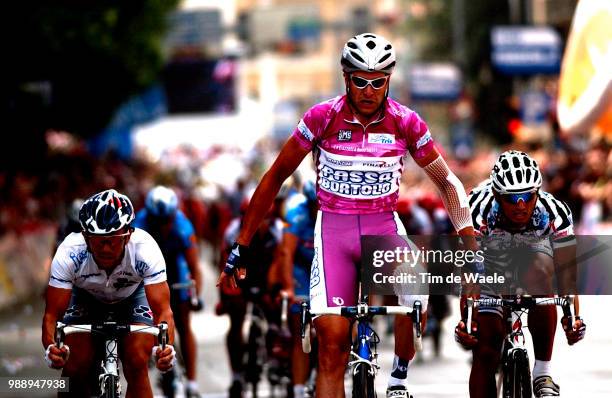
(278, 345)
(268, 345)
(515, 376)
(108, 382)
(363, 357)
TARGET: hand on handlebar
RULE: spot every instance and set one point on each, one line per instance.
(467, 340)
(576, 332)
(164, 359)
(56, 357)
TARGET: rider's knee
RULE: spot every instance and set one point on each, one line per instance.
(333, 336)
(490, 339)
(136, 358)
(543, 265)
(540, 274)
(81, 355)
(76, 368)
(487, 354)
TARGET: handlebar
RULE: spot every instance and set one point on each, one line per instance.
(364, 310)
(520, 303)
(111, 328)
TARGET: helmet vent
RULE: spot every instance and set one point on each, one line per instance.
(526, 161)
(516, 162)
(371, 44)
(357, 56)
(509, 177)
(352, 45)
(519, 176)
(369, 35)
(384, 58)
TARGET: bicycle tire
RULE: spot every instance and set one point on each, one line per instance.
(517, 375)
(167, 383)
(526, 375)
(110, 387)
(363, 382)
(254, 365)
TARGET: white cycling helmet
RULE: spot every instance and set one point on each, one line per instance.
(515, 172)
(161, 202)
(106, 212)
(369, 53)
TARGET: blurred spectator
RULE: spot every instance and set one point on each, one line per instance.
(70, 223)
(590, 188)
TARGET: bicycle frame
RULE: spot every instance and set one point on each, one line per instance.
(112, 331)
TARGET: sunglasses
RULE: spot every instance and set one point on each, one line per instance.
(99, 241)
(362, 83)
(514, 198)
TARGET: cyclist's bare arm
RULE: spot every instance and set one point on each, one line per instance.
(565, 269)
(192, 258)
(57, 301)
(289, 158)
(567, 274)
(158, 296)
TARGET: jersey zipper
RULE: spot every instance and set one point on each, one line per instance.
(363, 138)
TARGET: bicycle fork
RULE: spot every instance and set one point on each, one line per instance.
(362, 354)
(110, 366)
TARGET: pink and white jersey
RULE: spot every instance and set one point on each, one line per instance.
(359, 167)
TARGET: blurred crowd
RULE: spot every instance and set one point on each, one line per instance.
(214, 183)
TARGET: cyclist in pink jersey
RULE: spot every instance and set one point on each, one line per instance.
(358, 141)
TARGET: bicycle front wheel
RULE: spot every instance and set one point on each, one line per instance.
(110, 387)
(363, 382)
(517, 376)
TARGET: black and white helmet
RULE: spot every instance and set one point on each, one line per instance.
(515, 172)
(369, 53)
(106, 212)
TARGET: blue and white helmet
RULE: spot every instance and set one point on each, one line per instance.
(369, 53)
(515, 172)
(161, 202)
(106, 212)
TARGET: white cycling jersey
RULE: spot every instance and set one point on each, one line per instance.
(73, 265)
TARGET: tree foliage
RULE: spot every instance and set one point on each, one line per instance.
(71, 63)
